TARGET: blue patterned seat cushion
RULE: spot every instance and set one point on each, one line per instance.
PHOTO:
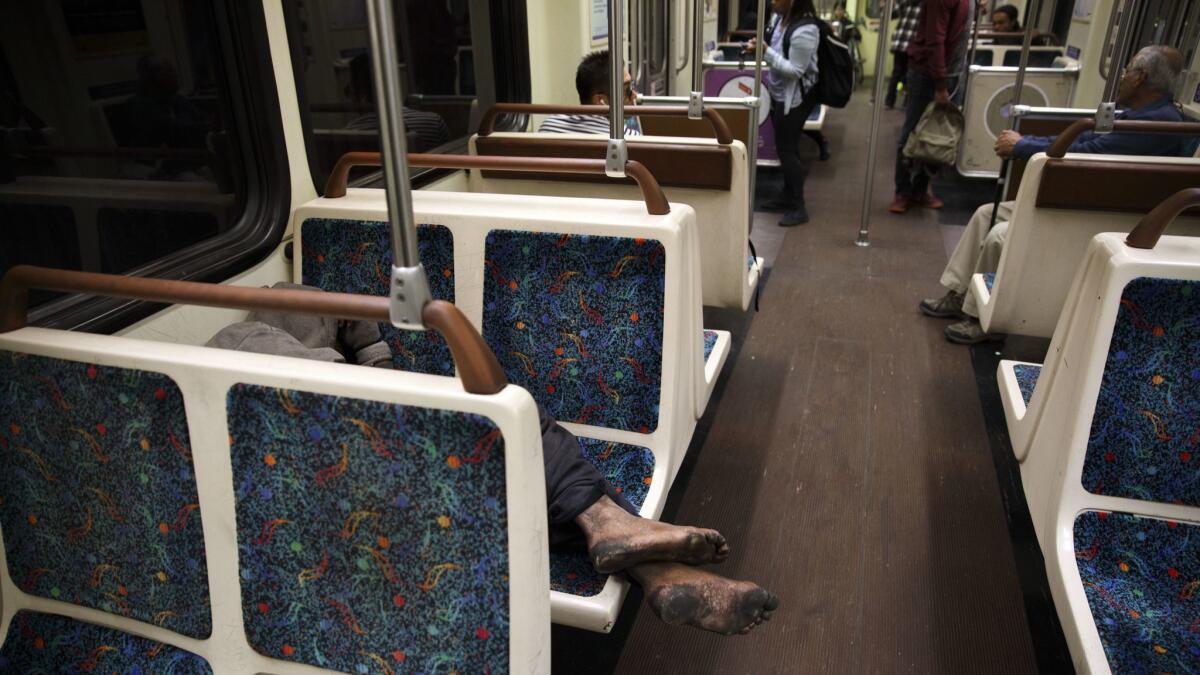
(371, 536)
(1142, 579)
(1027, 377)
(629, 469)
(710, 342)
(989, 280)
(1145, 431)
(355, 256)
(98, 497)
(578, 321)
(48, 643)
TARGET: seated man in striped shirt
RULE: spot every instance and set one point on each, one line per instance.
(591, 80)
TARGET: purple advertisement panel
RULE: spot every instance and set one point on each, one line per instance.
(739, 83)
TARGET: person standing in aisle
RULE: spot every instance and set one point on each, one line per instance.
(791, 54)
(907, 13)
(934, 59)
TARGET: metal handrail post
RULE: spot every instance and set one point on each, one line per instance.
(755, 123)
(696, 100)
(617, 154)
(409, 286)
(1018, 90)
(885, 23)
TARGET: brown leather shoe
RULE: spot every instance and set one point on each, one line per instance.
(900, 204)
(928, 200)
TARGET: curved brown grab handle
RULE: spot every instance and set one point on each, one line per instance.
(477, 366)
(476, 362)
(656, 201)
(1153, 224)
(488, 123)
(1061, 144)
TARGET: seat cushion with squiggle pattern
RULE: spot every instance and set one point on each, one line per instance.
(1145, 431)
(710, 342)
(371, 535)
(578, 321)
(629, 468)
(1142, 580)
(1027, 377)
(355, 256)
(98, 497)
(48, 643)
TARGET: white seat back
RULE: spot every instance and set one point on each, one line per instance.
(1046, 245)
(1112, 488)
(263, 514)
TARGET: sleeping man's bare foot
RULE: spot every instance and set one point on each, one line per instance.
(617, 540)
(679, 594)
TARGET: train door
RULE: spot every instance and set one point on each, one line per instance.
(656, 52)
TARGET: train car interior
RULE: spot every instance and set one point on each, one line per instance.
(618, 336)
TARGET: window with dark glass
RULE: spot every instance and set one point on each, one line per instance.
(121, 138)
(447, 49)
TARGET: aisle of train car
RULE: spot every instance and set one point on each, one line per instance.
(846, 458)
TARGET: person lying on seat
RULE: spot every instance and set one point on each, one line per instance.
(1145, 94)
(585, 511)
(592, 83)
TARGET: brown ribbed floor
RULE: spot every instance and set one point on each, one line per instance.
(847, 459)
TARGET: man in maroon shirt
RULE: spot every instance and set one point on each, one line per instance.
(934, 59)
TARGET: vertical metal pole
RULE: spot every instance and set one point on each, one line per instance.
(696, 99)
(409, 287)
(758, 48)
(698, 47)
(885, 23)
(617, 154)
(1018, 90)
(755, 123)
(1019, 86)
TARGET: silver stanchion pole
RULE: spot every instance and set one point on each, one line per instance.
(618, 153)
(755, 122)
(885, 23)
(409, 286)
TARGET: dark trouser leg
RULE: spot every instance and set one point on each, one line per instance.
(899, 69)
(572, 484)
(787, 145)
(920, 95)
(817, 136)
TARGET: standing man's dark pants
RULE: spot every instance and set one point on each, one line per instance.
(572, 484)
(788, 129)
(899, 70)
(912, 178)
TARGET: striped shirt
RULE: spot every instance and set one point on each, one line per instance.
(429, 127)
(586, 124)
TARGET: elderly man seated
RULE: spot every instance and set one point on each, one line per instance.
(1145, 94)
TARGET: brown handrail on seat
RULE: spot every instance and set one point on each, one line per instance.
(720, 128)
(1061, 144)
(1153, 224)
(656, 201)
(477, 365)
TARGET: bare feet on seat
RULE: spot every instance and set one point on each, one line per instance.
(617, 540)
(682, 595)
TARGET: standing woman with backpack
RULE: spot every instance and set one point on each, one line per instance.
(791, 54)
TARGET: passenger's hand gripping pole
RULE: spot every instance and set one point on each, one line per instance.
(409, 286)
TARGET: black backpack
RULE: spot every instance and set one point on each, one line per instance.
(835, 68)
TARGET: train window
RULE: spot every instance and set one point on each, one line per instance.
(454, 63)
(128, 144)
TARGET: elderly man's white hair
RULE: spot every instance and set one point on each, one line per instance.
(1162, 66)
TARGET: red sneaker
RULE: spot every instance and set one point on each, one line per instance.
(928, 200)
(900, 204)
